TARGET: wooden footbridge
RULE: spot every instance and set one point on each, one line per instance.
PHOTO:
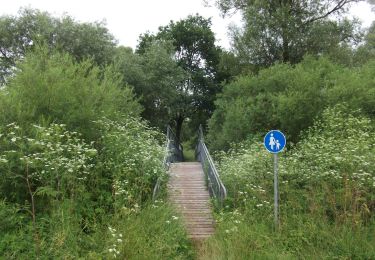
(192, 185)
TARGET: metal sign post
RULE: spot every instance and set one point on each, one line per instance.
(276, 190)
(274, 142)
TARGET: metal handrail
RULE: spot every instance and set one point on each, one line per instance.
(174, 150)
(173, 153)
(215, 185)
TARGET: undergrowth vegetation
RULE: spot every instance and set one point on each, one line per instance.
(327, 201)
(78, 166)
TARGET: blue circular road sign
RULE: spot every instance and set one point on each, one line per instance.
(274, 141)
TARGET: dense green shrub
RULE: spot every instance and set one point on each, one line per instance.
(131, 153)
(246, 106)
(51, 87)
(335, 155)
(355, 87)
(289, 98)
(50, 162)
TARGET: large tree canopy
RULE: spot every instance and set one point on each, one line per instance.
(366, 52)
(31, 27)
(195, 52)
(287, 30)
(154, 75)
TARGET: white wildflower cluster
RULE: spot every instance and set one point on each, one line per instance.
(263, 204)
(231, 230)
(135, 165)
(135, 208)
(114, 249)
(120, 187)
(61, 152)
(173, 218)
(3, 159)
(51, 153)
(236, 219)
(157, 203)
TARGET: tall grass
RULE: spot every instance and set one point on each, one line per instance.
(156, 232)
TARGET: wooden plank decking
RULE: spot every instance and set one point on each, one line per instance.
(189, 194)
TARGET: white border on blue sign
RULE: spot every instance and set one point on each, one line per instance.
(264, 141)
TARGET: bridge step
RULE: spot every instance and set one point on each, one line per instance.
(188, 193)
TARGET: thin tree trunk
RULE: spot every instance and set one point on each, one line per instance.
(33, 212)
(31, 195)
(286, 55)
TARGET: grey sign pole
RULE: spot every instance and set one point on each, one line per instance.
(274, 142)
(276, 191)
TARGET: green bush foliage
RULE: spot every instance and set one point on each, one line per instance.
(133, 156)
(51, 87)
(289, 98)
(50, 162)
(327, 187)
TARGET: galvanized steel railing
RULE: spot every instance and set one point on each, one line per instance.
(174, 150)
(215, 185)
(173, 153)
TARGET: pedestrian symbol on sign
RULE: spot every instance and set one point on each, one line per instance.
(274, 141)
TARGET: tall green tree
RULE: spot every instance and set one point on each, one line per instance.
(196, 53)
(287, 30)
(366, 52)
(154, 75)
(30, 27)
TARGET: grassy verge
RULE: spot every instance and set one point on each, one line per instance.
(300, 237)
(155, 232)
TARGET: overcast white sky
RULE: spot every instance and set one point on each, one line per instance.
(127, 19)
